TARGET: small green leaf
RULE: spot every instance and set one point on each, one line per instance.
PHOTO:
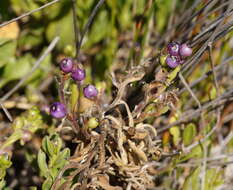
(63, 28)
(192, 181)
(16, 135)
(4, 164)
(42, 163)
(97, 33)
(213, 178)
(189, 133)
(175, 132)
(16, 69)
(62, 158)
(48, 147)
(7, 50)
(47, 184)
(74, 96)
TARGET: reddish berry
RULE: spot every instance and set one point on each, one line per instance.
(90, 91)
(173, 48)
(58, 110)
(66, 65)
(78, 74)
(185, 50)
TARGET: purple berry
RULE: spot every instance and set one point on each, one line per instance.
(90, 91)
(58, 110)
(173, 48)
(78, 74)
(66, 65)
(185, 50)
(172, 61)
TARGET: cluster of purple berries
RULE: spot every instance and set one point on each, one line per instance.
(67, 65)
(177, 53)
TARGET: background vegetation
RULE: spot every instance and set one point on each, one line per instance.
(193, 120)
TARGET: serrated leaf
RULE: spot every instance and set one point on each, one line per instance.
(189, 133)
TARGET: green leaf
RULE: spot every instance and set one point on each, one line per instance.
(30, 38)
(2, 184)
(97, 33)
(15, 136)
(63, 28)
(175, 132)
(32, 188)
(52, 145)
(41, 159)
(189, 133)
(213, 178)
(48, 146)
(192, 181)
(4, 164)
(74, 96)
(16, 69)
(62, 158)
(7, 50)
(47, 184)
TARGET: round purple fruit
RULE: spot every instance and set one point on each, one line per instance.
(185, 50)
(58, 110)
(172, 61)
(66, 65)
(78, 74)
(173, 48)
(90, 91)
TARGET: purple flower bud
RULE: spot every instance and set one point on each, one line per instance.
(173, 48)
(90, 91)
(185, 50)
(78, 74)
(66, 65)
(172, 61)
(58, 110)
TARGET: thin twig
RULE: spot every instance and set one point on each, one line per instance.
(35, 66)
(95, 10)
(190, 147)
(218, 112)
(28, 13)
(76, 29)
(213, 71)
(204, 76)
(213, 35)
(189, 89)
(6, 112)
(193, 113)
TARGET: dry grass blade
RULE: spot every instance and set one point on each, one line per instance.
(29, 13)
(35, 66)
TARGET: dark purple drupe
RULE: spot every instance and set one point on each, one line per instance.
(58, 110)
(90, 91)
(78, 74)
(173, 48)
(173, 61)
(66, 65)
